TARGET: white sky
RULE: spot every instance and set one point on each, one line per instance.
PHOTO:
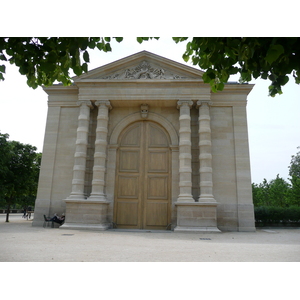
(273, 123)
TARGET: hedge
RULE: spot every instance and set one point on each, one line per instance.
(272, 214)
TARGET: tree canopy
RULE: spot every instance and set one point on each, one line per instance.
(278, 192)
(48, 59)
(267, 58)
(19, 172)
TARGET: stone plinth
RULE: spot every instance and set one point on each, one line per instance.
(86, 214)
(197, 216)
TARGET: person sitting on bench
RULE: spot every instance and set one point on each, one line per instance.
(58, 219)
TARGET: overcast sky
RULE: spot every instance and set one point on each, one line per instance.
(273, 123)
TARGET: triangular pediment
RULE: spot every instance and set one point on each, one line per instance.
(142, 66)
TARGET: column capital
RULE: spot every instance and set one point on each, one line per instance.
(85, 102)
(205, 102)
(103, 103)
(185, 103)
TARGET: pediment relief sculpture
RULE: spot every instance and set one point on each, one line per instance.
(144, 71)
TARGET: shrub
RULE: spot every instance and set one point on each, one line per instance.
(274, 214)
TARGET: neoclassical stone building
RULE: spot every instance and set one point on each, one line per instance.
(143, 143)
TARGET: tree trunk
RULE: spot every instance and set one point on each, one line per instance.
(7, 213)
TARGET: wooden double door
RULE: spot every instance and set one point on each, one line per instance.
(143, 178)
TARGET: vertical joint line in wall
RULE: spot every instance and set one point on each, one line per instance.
(235, 164)
(55, 153)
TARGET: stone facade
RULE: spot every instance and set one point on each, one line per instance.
(143, 143)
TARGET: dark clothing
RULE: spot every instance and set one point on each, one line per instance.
(58, 220)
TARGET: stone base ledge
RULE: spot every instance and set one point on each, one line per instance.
(80, 226)
(196, 217)
(197, 229)
(86, 201)
(196, 203)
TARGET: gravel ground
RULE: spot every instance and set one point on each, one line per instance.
(20, 242)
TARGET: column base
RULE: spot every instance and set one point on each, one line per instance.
(197, 217)
(184, 198)
(86, 214)
(196, 229)
(80, 226)
(101, 198)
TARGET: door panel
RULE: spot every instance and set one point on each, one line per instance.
(127, 213)
(128, 186)
(157, 187)
(156, 215)
(158, 161)
(132, 137)
(143, 178)
(129, 160)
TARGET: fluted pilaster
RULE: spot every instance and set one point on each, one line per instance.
(99, 169)
(185, 155)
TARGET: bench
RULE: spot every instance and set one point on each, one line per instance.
(48, 220)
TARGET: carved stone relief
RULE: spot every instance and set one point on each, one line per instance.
(144, 71)
(144, 111)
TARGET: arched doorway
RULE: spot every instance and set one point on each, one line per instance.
(143, 177)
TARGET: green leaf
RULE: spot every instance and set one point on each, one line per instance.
(220, 86)
(119, 39)
(3, 57)
(282, 80)
(77, 70)
(23, 70)
(185, 57)
(139, 39)
(10, 52)
(85, 67)
(86, 56)
(2, 69)
(107, 47)
(100, 46)
(92, 44)
(273, 53)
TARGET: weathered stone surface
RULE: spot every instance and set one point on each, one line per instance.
(208, 149)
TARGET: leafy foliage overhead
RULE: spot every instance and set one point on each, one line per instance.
(47, 59)
(44, 60)
(267, 58)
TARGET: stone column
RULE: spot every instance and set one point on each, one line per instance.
(98, 182)
(185, 155)
(205, 156)
(77, 192)
(198, 216)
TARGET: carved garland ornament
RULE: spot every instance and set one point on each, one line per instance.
(144, 71)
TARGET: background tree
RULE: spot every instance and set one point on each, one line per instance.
(279, 192)
(20, 165)
(272, 58)
(294, 172)
(45, 60)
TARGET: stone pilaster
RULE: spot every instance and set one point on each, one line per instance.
(98, 182)
(81, 151)
(82, 213)
(205, 155)
(200, 216)
(185, 156)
